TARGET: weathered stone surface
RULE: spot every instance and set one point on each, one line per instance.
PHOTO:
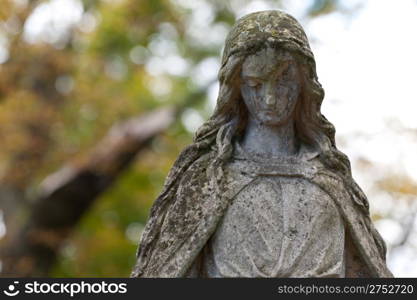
(263, 191)
(276, 226)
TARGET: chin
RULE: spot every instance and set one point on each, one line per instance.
(272, 121)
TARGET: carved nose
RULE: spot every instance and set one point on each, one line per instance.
(270, 100)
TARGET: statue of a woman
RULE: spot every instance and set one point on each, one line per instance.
(263, 190)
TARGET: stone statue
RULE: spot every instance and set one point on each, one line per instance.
(263, 191)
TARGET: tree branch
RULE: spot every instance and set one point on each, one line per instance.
(68, 193)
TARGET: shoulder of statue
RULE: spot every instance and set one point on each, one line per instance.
(200, 163)
(196, 177)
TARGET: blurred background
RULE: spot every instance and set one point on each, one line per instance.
(98, 97)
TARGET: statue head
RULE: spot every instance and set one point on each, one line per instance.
(277, 35)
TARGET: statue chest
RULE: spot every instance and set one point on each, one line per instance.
(278, 226)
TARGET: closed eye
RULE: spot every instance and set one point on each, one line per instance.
(252, 82)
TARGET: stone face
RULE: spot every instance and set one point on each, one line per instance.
(263, 191)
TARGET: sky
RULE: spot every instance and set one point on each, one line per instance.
(366, 62)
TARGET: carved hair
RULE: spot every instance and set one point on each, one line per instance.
(250, 34)
(230, 116)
